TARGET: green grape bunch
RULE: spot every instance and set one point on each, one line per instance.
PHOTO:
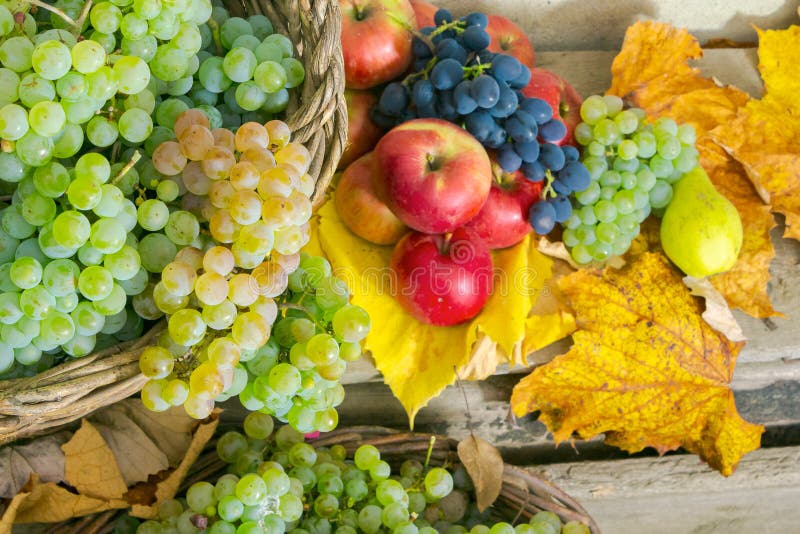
(276, 482)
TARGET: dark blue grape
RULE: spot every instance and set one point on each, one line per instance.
(527, 119)
(477, 19)
(553, 131)
(506, 68)
(442, 16)
(420, 48)
(428, 111)
(508, 159)
(422, 93)
(529, 152)
(519, 132)
(485, 56)
(427, 30)
(561, 188)
(465, 104)
(522, 80)
(384, 121)
(506, 104)
(575, 175)
(562, 207)
(475, 38)
(419, 64)
(449, 48)
(533, 171)
(446, 74)
(538, 108)
(497, 137)
(542, 217)
(480, 124)
(394, 99)
(571, 153)
(551, 156)
(485, 91)
(446, 105)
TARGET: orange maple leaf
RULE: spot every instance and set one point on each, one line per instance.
(651, 71)
(645, 369)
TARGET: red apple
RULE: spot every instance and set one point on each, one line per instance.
(363, 212)
(432, 174)
(362, 132)
(562, 97)
(376, 40)
(508, 38)
(424, 12)
(503, 220)
(442, 281)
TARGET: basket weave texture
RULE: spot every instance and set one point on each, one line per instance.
(317, 116)
(522, 494)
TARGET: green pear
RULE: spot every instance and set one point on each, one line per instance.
(701, 231)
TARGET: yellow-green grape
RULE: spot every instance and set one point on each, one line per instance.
(156, 362)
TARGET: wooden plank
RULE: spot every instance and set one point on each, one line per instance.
(677, 494)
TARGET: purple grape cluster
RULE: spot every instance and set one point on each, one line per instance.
(457, 79)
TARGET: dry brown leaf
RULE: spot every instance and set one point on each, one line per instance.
(19, 462)
(652, 72)
(485, 467)
(167, 488)
(10, 512)
(718, 315)
(645, 369)
(91, 467)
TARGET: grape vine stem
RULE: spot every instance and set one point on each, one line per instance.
(290, 306)
(128, 166)
(53, 9)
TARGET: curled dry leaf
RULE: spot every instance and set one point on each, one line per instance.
(42, 456)
(652, 71)
(118, 444)
(645, 369)
(418, 360)
(485, 467)
(718, 315)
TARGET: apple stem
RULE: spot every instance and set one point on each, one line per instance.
(445, 243)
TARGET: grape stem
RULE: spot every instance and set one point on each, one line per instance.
(548, 191)
(83, 16)
(215, 36)
(53, 9)
(128, 166)
(290, 306)
(456, 25)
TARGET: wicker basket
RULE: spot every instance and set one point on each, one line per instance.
(522, 495)
(317, 116)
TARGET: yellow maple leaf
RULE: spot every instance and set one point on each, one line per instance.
(419, 360)
(651, 71)
(645, 369)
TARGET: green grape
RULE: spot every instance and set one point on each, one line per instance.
(133, 26)
(111, 201)
(84, 193)
(58, 327)
(80, 110)
(34, 150)
(270, 76)
(105, 17)
(68, 141)
(164, 25)
(60, 277)
(13, 122)
(88, 56)
(135, 125)
(101, 132)
(251, 489)
(6, 21)
(51, 59)
(239, 64)
(295, 72)
(366, 456)
(16, 53)
(668, 147)
(168, 111)
(660, 194)
(593, 109)
(153, 214)
(232, 28)
(14, 224)
(250, 42)
(200, 497)
(686, 134)
(212, 75)
(114, 303)
(646, 142)
(268, 52)
(186, 327)
(34, 88)
(230, 508)
(132, 75)
(665, 127)
(38, 209)
(169, 63)
(182, 227)
(156, 251)
(47, 118)
(351, 323)
(627, 149)
(36, 302)
(282, 42)
(258, 425)
(230, 445)
(26, 273)
(144, 100)
(627, 122)
(95, 283)
(167, 191)
(188, 38)
(249, 96)
(71, 229)
(144, 48)
(438, 482)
